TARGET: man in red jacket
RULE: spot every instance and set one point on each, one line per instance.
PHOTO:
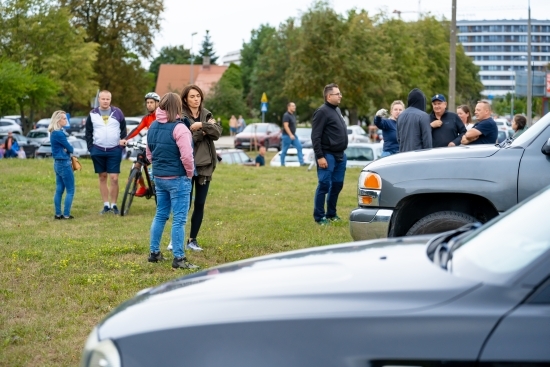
(152, 102)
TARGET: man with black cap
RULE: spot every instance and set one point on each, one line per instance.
(447, 128)
(413, 125)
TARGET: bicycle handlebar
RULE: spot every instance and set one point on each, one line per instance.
(132, 144)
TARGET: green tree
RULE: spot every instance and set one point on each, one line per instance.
(170, 55)
(59, 72)
(207, 49)
(250, 52)
(124, 31)
(225, 99)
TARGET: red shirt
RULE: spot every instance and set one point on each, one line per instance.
(146, 122)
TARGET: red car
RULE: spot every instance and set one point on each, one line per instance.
(265, 134)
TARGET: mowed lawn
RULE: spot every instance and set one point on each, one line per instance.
(60, 278)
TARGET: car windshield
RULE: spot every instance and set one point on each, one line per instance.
(303, 132)
(532, 131)
(37, 134)
(359, 154)
(497, 253)
(255, 128)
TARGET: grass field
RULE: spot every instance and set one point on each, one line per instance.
(59, 278)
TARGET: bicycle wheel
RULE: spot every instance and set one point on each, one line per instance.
(130, 191)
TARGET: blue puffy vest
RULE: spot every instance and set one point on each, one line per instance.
(165, 151)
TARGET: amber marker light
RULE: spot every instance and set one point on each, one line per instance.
(367, 200)
(372, 181)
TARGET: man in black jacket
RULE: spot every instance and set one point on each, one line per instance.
(447, 128)
(329, 137)
(413, 125)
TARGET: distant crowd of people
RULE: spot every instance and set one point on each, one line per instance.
(236, 125)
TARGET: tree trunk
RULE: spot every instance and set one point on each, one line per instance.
(353, 117)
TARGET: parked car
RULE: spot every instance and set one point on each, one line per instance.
(356, 134)
(77, 124)
(7, 125)
(265, 134)
(304, 134)
(17, 119)
(41, 135)
(361, 154)
(234, 156)
(436, 190)
(478, 296)
(28, 147)
(42, 124)
(291, 158)
(80, 148)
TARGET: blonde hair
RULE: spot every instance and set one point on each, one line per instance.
(171, 103)
(397, 102)
(54, 123)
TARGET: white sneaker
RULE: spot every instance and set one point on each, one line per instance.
(169, 248)
(193, 245)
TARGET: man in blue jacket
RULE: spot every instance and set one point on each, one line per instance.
(329, 137)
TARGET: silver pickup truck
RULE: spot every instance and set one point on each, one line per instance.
(435, 190)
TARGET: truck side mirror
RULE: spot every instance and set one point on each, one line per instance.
(546, 148)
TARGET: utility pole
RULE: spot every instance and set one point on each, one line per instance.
(529, 71)
(192, 57)
(452, 62)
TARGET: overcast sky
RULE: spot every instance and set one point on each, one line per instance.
(230, 22)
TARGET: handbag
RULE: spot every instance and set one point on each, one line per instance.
(75, 163)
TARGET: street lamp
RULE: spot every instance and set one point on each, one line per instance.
(192, 57)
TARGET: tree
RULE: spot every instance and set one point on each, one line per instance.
(125, 31)
(225, 99)
(58, 72)
(249, 55)
(170, 55)
(206, 50)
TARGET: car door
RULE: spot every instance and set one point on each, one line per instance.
(522, 337)
(534, 168)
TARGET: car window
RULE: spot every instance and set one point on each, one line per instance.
(37, 134)
(76, 144)
(255, 128)
(510, 244)
(532, 131)
(4, 123)
(243, 157)
(227, 158)
(359, 154)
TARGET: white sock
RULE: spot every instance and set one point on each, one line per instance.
(113, 205)
(107, 204)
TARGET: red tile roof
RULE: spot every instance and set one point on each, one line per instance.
(172, 78)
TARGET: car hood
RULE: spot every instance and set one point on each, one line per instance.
(244, 135)
(359, 278)
(460, 152)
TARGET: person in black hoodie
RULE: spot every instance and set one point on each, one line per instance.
(329, 138)
(413, 125)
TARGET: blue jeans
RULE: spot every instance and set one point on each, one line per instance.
(172, 195)
(331, 181)
(64, 181)
(386, 153)
(295, 143)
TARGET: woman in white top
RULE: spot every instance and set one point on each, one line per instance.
(463, 111)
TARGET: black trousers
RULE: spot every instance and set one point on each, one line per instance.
(201, 191)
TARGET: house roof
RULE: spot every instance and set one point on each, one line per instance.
(172, 78)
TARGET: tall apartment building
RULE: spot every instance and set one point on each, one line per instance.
(499, 48)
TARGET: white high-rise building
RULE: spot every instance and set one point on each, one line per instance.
(499, 48)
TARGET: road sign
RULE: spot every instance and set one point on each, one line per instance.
(264, 107)
(264, 98)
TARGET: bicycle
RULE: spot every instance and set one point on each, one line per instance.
(139, 169)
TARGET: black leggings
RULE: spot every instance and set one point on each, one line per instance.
(201, 191)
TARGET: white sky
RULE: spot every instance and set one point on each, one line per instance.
(230, 22)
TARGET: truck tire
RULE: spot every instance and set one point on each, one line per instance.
(440, 222)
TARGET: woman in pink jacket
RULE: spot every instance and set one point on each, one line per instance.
(169, 149)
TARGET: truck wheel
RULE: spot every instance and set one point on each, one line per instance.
(440, 222)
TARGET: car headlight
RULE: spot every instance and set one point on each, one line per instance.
(369, 188)
(99, 353)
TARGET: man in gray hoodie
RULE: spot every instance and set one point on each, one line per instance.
(413, 125)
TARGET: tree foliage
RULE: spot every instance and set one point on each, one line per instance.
(374, 60)
(124, 31)
(170, 55)
(207, 49)
(53, 72)
(225, 99)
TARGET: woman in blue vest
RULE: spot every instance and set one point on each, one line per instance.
(169, 149)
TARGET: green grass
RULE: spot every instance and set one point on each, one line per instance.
(60, 278)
